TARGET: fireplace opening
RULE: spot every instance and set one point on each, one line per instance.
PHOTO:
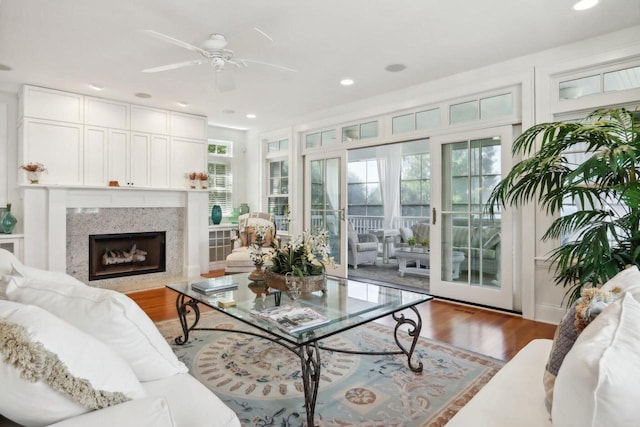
(126, 254)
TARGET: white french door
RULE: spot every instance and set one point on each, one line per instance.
(325, 201)
(471, 253)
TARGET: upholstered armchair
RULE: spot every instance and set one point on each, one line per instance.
(362, 247)
(239, 260)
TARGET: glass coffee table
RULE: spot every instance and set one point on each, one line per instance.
(345, 305)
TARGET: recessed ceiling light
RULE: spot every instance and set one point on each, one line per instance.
(143, 95)
(585, 4)
(183, 103)
(346, 82)
(95, 86)
(251, 116)
(228, 111)
(394, 68)
(4, 67)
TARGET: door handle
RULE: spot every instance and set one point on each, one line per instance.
(433, 216)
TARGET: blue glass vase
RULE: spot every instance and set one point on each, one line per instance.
(216, 214)
(8, 221)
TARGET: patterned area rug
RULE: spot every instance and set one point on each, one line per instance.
(261, 380)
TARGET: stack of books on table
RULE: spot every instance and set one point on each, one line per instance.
(213, 285)
(293, 319)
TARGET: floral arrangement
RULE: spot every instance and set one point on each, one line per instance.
(202, 176)
(257, 255)
(306, 255)
(33, 167)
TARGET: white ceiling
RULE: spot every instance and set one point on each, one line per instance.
(66, 44)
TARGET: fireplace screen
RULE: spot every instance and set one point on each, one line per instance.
(126, 254)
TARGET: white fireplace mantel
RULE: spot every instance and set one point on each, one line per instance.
(45, 219)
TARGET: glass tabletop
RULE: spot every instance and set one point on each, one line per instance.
(346, 304)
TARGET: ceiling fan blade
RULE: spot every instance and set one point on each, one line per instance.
(224, 81)
(174, 41)
(252, 61)
(174, 66)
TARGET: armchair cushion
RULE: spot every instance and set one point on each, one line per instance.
(247, 224)
(405, 233)
(366, 246)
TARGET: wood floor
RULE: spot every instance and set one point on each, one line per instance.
(496, 334)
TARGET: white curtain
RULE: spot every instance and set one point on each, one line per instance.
(389, 168)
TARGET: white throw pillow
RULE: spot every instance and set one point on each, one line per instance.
(628, 280)
(7, 261)
(148, 412)
(597, 384)
(83, 357)
(110, 316)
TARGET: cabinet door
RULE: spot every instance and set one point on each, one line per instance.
(149, 120)
(58, 146)
(139, 159)
(188, 126)
(106, 113)
(95, 155)
(119, 157)
(187, 155)
(42, 103)
(159, 161)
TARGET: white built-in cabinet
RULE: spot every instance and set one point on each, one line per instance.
(91, 141)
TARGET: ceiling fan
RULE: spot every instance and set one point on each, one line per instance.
(214, 52)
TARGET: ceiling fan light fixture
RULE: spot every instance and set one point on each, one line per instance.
(346, 82)
(585, 4)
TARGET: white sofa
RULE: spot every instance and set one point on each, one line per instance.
(597, 384)
(113, 359)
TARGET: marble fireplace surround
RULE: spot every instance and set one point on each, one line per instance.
(55, 215)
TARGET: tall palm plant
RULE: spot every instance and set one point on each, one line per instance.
(605, 228)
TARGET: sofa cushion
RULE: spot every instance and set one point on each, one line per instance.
(108, 315)
(147, 412)
(51, 370)
(191, 403)
(513, 397)
(598, 382)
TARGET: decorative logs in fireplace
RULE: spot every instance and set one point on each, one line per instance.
(125, 254)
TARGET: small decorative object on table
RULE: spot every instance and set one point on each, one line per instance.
(8, 221)
(258, 256)
(204, 180)
(244, 208)
(193, 179)
(33, 171)
(216, 214)
(298, 266)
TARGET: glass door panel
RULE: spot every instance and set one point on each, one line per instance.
(324, 181)
(472, 244)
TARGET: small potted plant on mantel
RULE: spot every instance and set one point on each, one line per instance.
(33, 171)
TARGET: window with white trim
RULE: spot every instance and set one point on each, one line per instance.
(220, 155)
